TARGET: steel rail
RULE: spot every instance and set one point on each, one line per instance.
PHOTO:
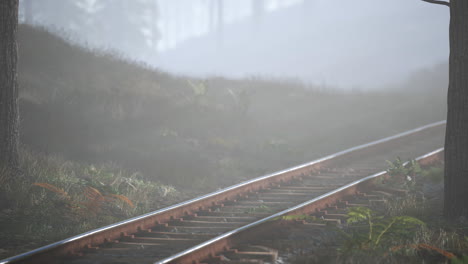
(174, 258)
(136, 220)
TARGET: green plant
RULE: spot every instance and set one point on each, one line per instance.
(461, 260)
(295, 217)
(199, 93)
(379, 227)
(258, 209)
(396, 167)
(413, 204)
(55, 198)
(403, 174)
(434, 174)
(94, 201)
(199, 89)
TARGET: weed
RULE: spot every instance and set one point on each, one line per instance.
(398, 235)
(404, 174)
(151, 121)
(54, 189)
(461, 260)
(379, 228)
(259, 209)
(434, 174)
(64, 198)
(297, 217)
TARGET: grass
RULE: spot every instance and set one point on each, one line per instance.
(81, 107)
(93, 106)
(409, 229)
(54, 198)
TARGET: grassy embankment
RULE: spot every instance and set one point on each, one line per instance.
(197, 135)
(54, 198)
(94, 107)
(408, 228)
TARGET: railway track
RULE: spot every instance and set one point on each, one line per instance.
(308, 227)
(194, 230)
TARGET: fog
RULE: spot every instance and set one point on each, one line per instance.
(153, 102)
(229, 89)
(367, 44)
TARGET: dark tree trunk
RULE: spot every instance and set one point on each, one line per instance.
(8, 83)
(456, 138)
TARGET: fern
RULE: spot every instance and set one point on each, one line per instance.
(445, 253)
(94, 198)
(379, 227)
(93, 193)
(54, 189)
(359, 214)
(198, 89)
(122, 198)
(405, 221)
(97, 199)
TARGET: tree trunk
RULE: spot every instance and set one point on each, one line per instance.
(220, 24)
(9, 136)
(258, 9)
(220, 15)
(28, 11)
(212, 11)
(456, 138)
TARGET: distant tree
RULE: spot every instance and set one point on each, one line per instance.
(9, 114)
(456, 136)
(63, 14)
(220, 24)
(258, 9)
(129, 25)
(28, 11)
(220, 14)
(153, 23)
(212, 12)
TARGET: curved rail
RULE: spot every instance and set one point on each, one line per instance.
(99, 235)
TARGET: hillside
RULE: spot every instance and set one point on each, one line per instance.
(93, 106)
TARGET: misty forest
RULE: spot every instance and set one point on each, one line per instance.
(126, 110)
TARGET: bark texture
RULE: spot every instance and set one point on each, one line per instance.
(456, 138)
(9, 119)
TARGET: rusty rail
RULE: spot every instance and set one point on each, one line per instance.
(47, 253)
(225, 241)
